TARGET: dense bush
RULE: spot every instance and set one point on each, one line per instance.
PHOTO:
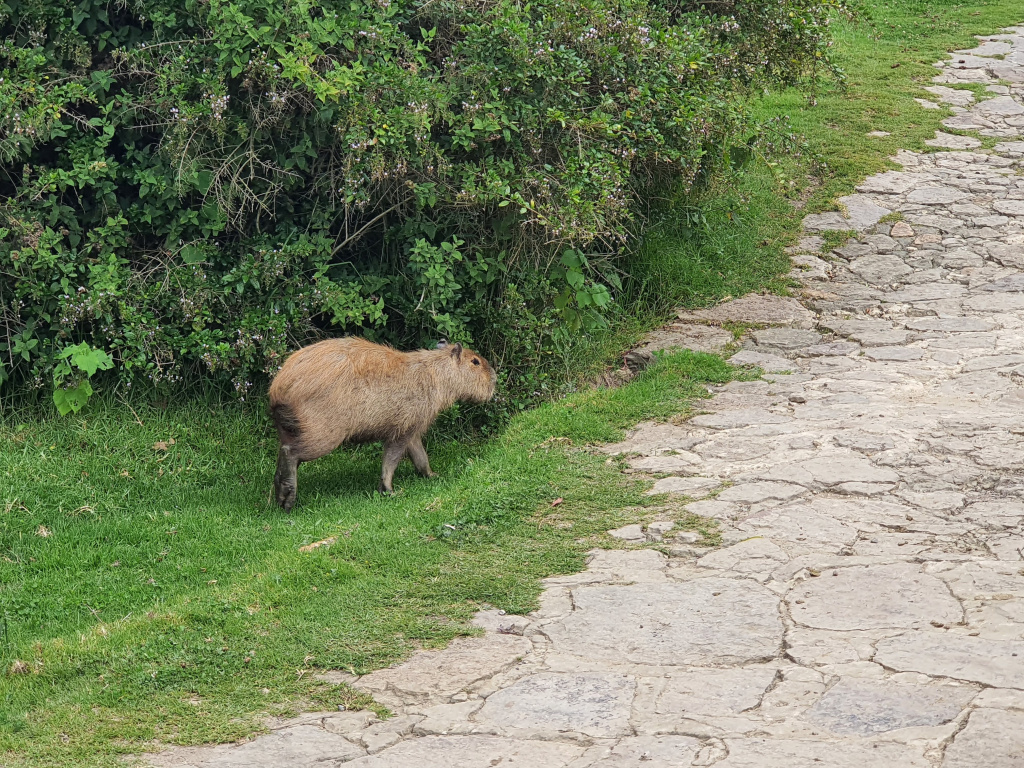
(192, 187)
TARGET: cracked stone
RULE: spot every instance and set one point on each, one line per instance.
(832, 470)
(592, 704)
(895, 183)
(955, 96)
(442, 674)
(769, 363)
(952, 141)
(950, 324)
(694, 693)
(670, 463)
(701, 622)
(470, 752)
(303, 746)
(1007, 254)
(800, 525)
(1010, 284)
(757, 309)
(805, 753)
(655, 439)
(998, 663)
(1003, 106)
(786, 339)
(864, 441)
(753, 493)
(660, 527)
(754, 555)
(628, 533)
(831, 349)
(1009, 207)
(699, 338)
(626, 565)
(651, 752)
(741, 417)
(862, 214)
(388, 733)
(895, 354)
(685, 486)
(880, 269)
(937, 195)
(901, 596)
(992, 739)
(447, 719)
(927, 292)
(864, 707)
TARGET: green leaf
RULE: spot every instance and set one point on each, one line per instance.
(192, 254)
(203, 181)
(74, 399)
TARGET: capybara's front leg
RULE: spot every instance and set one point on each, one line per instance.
(286, 480)
(418, 454)
(394, 452)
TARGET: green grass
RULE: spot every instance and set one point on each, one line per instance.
(747, 219)
(151, 595)
(887, 54)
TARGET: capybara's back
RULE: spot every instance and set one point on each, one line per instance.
(351, 390)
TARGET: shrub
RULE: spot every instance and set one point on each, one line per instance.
(196, 186)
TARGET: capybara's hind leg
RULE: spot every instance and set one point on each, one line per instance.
(286, 478)
(394, 452)
(418, 454)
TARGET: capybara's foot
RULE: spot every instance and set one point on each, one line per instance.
(285, 492)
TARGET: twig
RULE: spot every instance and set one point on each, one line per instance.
(363, 228)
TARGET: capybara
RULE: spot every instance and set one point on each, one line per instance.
(354, 391)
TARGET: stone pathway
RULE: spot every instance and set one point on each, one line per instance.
(867, 609)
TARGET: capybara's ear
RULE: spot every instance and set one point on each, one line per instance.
(442, 343)
(457, 351)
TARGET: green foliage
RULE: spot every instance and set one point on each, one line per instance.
(153, 598)
(87, 360)
(197, 187)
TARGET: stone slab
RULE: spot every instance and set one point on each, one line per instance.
(592, 704)
(702, 622)
(952, 141)
(767, 362)
(694, 487)
(901, 596)
(304, 746)
(469, 752)
(869, 706)
(698, 338)
(992, 739)
(819, 753)
(650, 752)
(998, 663)
(442, 674)
(786, 339)
(862, 213)
(756, 309)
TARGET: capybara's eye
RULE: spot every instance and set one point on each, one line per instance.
(475, 361)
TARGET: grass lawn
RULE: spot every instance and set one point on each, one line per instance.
(886, 55)
(149, 593)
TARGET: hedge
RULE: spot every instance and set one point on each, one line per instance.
(190, 188)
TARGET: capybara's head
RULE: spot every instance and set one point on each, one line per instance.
(472, 374)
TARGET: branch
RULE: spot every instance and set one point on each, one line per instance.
(363, 228)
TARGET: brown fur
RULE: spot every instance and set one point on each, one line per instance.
(353, 391)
